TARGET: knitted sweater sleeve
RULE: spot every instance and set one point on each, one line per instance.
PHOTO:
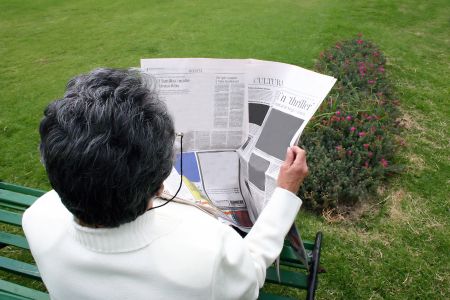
(240, 269)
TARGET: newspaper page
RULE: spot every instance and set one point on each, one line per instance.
(207, 98)
(238, 117)
(282, 99)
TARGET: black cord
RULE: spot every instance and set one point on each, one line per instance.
(181, 175)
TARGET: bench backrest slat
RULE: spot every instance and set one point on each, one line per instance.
(21, 189)
(16, 198)
(266, 296)
(13, 240)
(12, 291)
(10, 217)
(288, 278)
(19, 267)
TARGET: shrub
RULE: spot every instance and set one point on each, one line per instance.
(350, 142)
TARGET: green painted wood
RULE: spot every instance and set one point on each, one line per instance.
(16, 207)
(10, 217)
(293, 265)
(9, 296)
(309, 245)
(21, 189)
(12, 291)
(288, 255)
(19, 267)
(14, 240)
(266, 296)
(16, 198)
(287, 278)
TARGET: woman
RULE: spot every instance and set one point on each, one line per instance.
(107, 148)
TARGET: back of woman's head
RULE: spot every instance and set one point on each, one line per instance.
(107, 146)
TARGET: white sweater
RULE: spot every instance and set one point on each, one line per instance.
(173, 252)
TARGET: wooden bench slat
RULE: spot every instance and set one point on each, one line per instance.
(15, 207)
(12, 291)
(14, 240)
(8, 296)
(19, 267)
(309, 245)
(287, 278)
(16, 198)
(288, 255)
(21, 189)
(10, 217)
(267, 296)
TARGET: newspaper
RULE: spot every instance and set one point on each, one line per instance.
(237, 116)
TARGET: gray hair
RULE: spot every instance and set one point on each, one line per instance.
(107, 145)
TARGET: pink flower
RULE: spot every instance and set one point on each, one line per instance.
(352, 129)
(376, 54)
(362, 68)
(361, 134)
(349, 118)
(384, 163)
(338, 46)
(381, 69)
(339, 148)
(359, 42)
(335, 119)
(369, 118)
(366, 146)
(338, 113)
(366, 164)
(349, 152)
(370, 154)
(370, 81)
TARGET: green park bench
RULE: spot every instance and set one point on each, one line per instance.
(14, 199)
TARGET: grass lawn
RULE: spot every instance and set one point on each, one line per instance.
(400, 247)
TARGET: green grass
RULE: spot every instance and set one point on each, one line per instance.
(400, 247)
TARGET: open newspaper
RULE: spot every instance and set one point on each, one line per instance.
(238, 116)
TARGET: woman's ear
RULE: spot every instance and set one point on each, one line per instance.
(160, 191)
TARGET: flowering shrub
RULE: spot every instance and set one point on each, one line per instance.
(359, 65)
(350, 141)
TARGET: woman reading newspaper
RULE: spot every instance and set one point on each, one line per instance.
(107, 146)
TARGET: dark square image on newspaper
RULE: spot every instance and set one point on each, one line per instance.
(277, 133)
(257, 113)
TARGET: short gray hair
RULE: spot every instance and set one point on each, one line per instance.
(107, 145)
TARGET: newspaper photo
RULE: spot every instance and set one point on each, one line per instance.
(237, 117)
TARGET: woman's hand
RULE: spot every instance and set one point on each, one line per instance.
(294, 169)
